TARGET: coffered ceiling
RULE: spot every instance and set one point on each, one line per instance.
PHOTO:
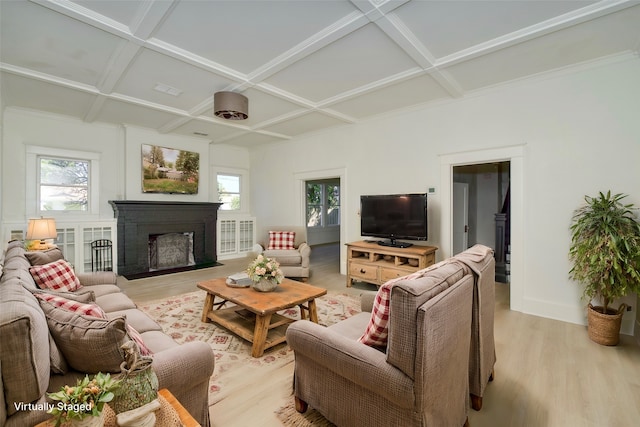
(305, 65)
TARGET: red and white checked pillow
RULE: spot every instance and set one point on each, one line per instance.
(137, 338)
(377, 331)
(281, 240)
(93, 310)
(57, 275)
(73, 306)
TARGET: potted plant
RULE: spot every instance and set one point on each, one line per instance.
(605, 252)
(83, 404)
(265, 274)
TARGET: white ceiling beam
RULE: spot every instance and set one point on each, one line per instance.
(328, 35)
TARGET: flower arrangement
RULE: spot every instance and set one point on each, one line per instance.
(85, 399)
(265, 268)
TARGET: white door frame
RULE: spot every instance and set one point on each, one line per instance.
(301, 179)
(514, 155)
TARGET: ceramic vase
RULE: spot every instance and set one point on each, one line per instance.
(265, 285)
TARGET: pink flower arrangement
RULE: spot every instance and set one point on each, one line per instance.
(265, 268)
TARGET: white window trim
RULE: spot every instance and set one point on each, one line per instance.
(32, 208)
(244, 189)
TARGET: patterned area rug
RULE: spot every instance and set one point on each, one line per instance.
(180, 317)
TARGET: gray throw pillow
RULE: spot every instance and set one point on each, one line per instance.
(89, 344)
(44, 257)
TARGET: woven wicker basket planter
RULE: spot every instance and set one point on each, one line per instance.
(603, 328)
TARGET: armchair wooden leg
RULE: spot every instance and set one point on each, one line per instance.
(301, 405)
(466, 422)
(476, 402)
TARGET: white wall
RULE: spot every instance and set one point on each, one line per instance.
(119, 149)
(580, 134)
(135, 137)
(24, 127)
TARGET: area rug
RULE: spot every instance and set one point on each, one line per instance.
(180, 317)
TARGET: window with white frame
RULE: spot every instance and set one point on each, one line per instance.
(63, 184)
(323, 203)
(64, 181)
(229, 195)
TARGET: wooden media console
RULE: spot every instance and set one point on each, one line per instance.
(374, 263)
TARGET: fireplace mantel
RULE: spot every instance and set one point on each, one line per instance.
(137, 220)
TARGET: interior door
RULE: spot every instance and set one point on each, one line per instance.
(460, 217)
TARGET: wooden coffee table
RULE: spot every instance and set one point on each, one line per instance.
(254, 317)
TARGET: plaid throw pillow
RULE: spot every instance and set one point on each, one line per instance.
(137, 338)
(281, 240)
(57, 275)
(73, 306)
(377, 331)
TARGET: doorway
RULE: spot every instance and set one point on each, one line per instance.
(322, 209)
(515, 156)
(481, 211)
(338, 176)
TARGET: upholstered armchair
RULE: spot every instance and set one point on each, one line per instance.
(420, 379)
(479, 259)
(291, 251)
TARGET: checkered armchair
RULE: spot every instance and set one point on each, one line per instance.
(288, 245)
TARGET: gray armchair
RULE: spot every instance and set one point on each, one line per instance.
(421, 379)
(293, 262)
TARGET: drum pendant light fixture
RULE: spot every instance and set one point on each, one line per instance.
(230, 105)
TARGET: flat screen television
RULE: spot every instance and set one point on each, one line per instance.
(394, 217)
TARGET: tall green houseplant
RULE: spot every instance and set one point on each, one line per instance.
(605, 249)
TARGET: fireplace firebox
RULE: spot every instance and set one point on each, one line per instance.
(140, 222)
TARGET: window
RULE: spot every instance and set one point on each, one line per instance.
(63, 184)
(229, 192)
(323, 203)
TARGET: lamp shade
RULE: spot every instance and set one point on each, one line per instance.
(230, 105)
(42, 228)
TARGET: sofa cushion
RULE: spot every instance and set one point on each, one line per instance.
(89, 344)
(101, 290)
(284, 257)
(57, 275)
(44, 257)
(114, 302)
(281, 239)
(137, 319)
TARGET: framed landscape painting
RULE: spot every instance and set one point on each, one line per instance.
(169, 171)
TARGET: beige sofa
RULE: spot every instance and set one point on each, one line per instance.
(436, 347)
(32, 365)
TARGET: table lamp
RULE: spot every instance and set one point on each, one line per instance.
(41, 229)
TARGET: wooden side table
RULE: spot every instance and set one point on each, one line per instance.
(185, 417)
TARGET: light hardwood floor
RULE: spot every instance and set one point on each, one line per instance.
(548, 372)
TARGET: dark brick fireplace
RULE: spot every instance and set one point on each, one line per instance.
(138, 220)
